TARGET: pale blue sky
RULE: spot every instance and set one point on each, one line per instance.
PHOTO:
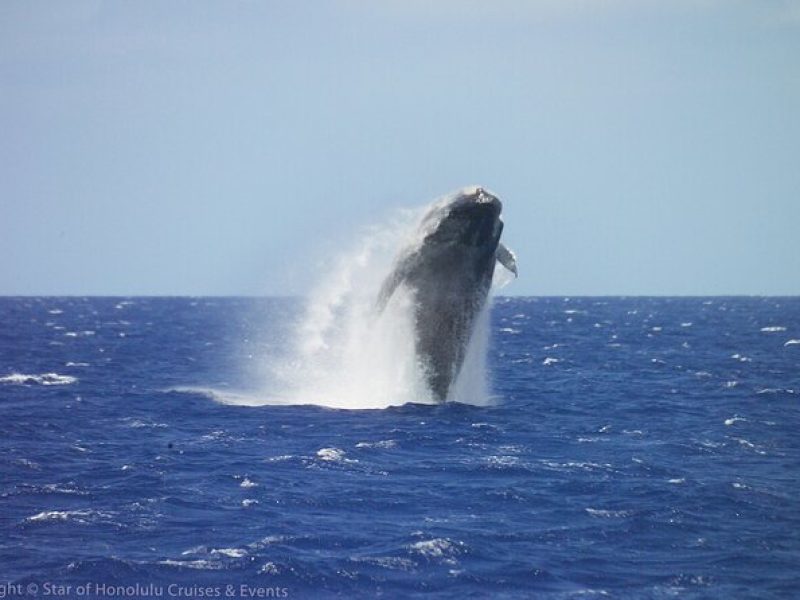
(640, 147)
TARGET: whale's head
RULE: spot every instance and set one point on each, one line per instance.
(469, 217)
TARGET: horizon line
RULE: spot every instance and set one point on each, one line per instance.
(301, 296)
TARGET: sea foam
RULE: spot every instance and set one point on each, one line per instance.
(42, 379)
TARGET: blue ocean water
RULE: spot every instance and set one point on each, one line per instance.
(638, 448)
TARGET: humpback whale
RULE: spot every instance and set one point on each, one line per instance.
(448, 270)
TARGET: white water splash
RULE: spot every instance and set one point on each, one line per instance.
(346, 354)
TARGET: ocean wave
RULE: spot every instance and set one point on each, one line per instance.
(42, 379)
(200, 564)
(608, 514)
(380, 444)
(775, 391)
(230, 552)
(333, 455)
(83, 517)
(741, 357)
(577, 465)
(247, 483)
(140, 424)
(393, 563)
(501, 462)
(438, 548)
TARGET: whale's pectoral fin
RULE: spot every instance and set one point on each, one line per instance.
(506, 258)
(387, 289)
(393, 281)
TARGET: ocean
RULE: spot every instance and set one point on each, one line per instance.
(628, 448)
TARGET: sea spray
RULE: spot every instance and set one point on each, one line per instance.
(344, 352)
(347, 354)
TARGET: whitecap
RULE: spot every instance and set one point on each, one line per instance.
(139, 424)
(42, 379)
(482, 425)
(386, 562)
(750, 446)
(56, 515)
(436, 547)
(512, 448)
(510, 330)
(230, 552)
(741, 357)
(792, 343)
(269, 568)
(501, 461)
(734, 419)
(517, 361)
(201, 564)
(247, 484)
(379, 444)
(333, 455)
(608, 514)
(550, 361)
(281, 458)
(77, 516)
(268, 541)
(55, 488)
(583, 466)
(773, 329)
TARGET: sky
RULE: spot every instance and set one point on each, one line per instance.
(230, 148)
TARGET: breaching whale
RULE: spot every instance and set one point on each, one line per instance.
(448, 270)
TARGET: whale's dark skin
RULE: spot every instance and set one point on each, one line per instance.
(449, 272)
